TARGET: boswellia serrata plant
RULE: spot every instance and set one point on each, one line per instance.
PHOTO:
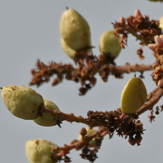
(25, 103)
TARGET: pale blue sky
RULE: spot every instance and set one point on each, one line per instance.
(29, 30)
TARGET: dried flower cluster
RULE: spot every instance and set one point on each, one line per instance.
(139, 26)
(109, 122)
(104, 66)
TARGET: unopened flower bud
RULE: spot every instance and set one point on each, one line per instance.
(75, 30)
(137, 13)
(122, 20)
(133, 95)
(39, 151)
(47, 119)
(92, 143)
(70, 52)
(21, 101)
(109, 43)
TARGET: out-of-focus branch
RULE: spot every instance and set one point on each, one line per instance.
(138, 25)
(82, 73)
(81, 144)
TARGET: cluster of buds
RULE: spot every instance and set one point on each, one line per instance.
(25, 103)
(77, 44)
(19, 99)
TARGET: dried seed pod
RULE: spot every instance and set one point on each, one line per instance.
(39, 151)
(21, 101)
(92, 143)
(133, 95)
(109, 43)
(47, 119)
(75, 30)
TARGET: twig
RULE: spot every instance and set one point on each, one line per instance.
(158, 92)
(81, 143)
(131, 68)
(83, 73)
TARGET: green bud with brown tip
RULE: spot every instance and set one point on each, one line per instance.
(75, 30)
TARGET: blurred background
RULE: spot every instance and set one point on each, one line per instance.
(29, 30)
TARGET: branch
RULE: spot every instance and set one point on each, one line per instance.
(83, 73)
(156, 95)
(86, 152)
(68, 117)
(81, 143)
(131, 68)
(111, 120)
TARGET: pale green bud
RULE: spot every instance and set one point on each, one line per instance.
(110, 43)
(75, 30)
(70, 52)
(21, 101)
(39, 151)
(133, 95)
(47, 119)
